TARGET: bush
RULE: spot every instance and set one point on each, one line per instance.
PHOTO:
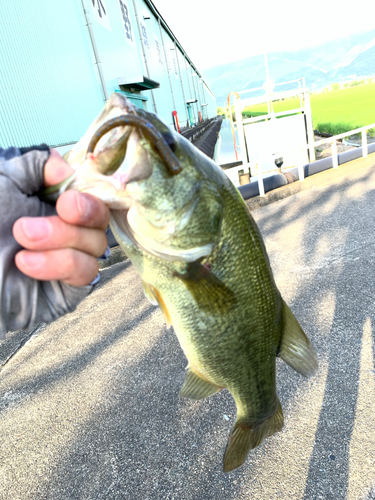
(336, 127)
(253, 114)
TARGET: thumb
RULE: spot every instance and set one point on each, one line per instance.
(56, 169)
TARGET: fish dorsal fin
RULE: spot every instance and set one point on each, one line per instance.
(154, 296)
(210, 294)
(195, 387)
(296, 349)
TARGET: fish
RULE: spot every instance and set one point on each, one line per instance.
(201, 258)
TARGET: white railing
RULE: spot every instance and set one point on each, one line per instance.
(300, 81)
(231, 173)
(259, 118)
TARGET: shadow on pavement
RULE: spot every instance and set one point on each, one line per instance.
(118, 428)
(344, 273)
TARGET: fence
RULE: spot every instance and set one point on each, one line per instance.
(233, 172)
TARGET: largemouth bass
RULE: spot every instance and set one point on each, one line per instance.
(202, 259)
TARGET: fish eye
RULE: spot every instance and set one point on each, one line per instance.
(169, 139)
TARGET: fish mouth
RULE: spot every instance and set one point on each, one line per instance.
(145, 127)
(108, 173)
(100, 173)
(113, 153)
(116, 106)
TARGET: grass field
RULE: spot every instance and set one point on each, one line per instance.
(340, 110)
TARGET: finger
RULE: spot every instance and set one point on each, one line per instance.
(56, 169)
(49, 233)
(83, 209)
(71, 266)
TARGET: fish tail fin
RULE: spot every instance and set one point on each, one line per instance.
(296, 349)
(245, 437)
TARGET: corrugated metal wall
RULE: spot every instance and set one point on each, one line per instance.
(50, 88)
(49, 85)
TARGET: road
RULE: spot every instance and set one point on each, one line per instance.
(89, 405)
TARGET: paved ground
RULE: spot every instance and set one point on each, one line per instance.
(89, 405)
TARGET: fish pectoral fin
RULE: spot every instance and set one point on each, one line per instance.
(154, 296)
(195, 387)
(296, 349)
(210, 294)
(244, 437)
(148, 290)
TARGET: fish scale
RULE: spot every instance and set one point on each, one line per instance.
(202, 259)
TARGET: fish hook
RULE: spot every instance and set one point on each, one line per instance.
(149, 130)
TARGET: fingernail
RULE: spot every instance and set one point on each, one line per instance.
(32, 260)
(84, 206)
(36, 229)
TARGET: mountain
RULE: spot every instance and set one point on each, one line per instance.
(321, 65)
(360, 65)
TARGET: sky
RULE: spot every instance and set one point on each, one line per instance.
(215, 32)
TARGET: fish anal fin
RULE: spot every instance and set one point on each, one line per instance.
(195, 387)
(209, 293)
(245, 437)
(296, 349)
(154, 296)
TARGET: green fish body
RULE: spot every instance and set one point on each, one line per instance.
(203, 261)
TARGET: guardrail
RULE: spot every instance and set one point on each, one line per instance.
(301, 175)
(193, 133)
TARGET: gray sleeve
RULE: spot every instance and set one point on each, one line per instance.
(24, 302)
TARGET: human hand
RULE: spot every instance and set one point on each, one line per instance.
(63, 247)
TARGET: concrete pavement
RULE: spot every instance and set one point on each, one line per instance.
(89, 405)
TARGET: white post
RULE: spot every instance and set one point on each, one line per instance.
(364, 144)
(241, 133)
(260, 180)
(335, 160)
(301, 171)
(309, 125)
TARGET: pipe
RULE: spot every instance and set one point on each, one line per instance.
(278, 180)
(182, 86)
(231, 122)
(204, 100)
(326, 163)
(95, 50)
(272, 182)
(191, 94)
(144, 52)
(166, 62)
(196, 94)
